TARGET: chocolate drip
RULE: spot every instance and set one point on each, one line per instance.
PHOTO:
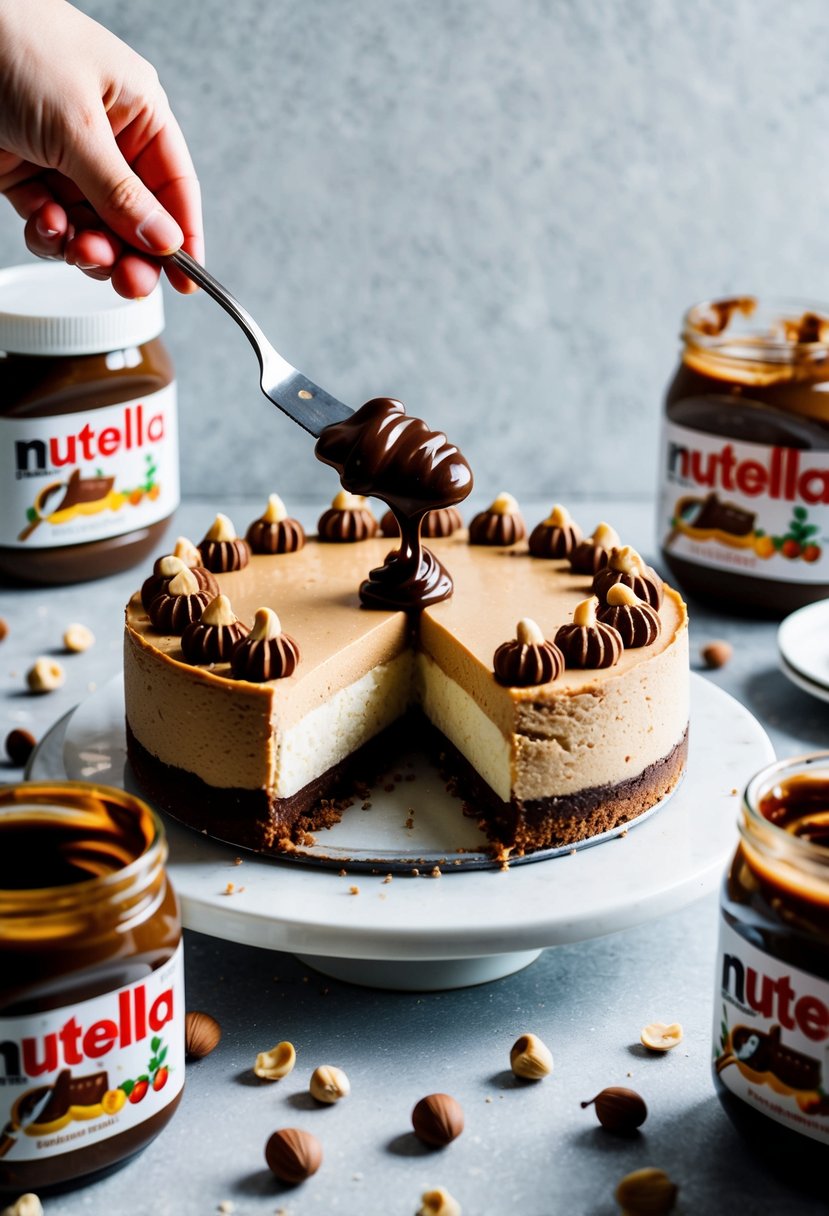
(381, 452)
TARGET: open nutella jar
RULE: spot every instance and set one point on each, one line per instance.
(743, 517)
(88, 426)
(771, 1002)
(91, 987)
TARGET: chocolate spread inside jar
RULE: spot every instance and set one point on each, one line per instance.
(743, 517)
(91, 983)
(771, 1004)
(88, 426)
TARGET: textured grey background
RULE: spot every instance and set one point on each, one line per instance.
(495, 211)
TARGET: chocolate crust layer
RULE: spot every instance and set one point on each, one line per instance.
(250, 819)
(542, 823)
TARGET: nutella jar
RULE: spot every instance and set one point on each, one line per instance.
(91, 988)
(88, 426)
(771, 1004)
(743, 516)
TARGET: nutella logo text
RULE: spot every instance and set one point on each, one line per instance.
(73, 1043)
(132, 429)
(782, 474)
(775, 999)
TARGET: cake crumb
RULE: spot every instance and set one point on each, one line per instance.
(504, 866)
(573, 852)
(353, 890)
(342, 873)
(366, 806)
(436, 872)
(230, 888)
(734, 793)
(226, 1207)
(409, 821)
(623, 832)
(487, 1099)
(415, 873)
(388, 878)
(237, 861)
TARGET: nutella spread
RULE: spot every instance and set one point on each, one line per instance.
(88, 426)
(91, 988)
(771, 1005)
(379, 451)
(743, 514)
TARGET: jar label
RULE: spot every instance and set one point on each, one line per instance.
(72, 478)
(771, 1036)
(74, 1076)
(744, 507)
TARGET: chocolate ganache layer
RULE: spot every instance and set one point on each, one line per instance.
(381, 452)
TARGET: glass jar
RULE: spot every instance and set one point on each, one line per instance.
(743, 515)
(89, 475)
(771, 1006)
(91, 986)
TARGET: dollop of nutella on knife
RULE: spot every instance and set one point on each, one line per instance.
(382, 452)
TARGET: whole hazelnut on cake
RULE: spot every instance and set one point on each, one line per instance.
(348, 519)
(528, 659)
(588, 642)
(164, 571)
(266, 653)
(635, 621)
(500, 524)
(180, 603)
(626, 566)
(555, 536)
(221, 549)
(593, 553)
(274, 531)
(212, 637)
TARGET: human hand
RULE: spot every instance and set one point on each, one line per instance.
(91, 156)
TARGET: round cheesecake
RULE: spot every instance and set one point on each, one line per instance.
(261, 763)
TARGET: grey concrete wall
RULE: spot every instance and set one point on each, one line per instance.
(496, 211)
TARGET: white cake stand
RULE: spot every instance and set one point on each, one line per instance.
(462, 927)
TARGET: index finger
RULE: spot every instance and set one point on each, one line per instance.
(165, 166)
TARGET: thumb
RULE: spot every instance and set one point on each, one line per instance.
(119, 197)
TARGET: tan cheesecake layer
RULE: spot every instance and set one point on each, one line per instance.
(577, 738)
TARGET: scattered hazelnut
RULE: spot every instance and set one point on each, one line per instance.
(659, 1037)
(437, 1119)
(45, 676)
(646, 1192)
(619, 1110)
(530, 1058)
(275, 1064)
(19, 746)
(4, 629)
(716, 654)
(26, 1205)
(293, 1155)
(201, 1034)
(77, 638)
(329, 1084)
(438, 1203)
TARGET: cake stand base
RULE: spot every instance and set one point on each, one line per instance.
(431, 976)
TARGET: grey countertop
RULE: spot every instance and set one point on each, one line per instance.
(527, 1149)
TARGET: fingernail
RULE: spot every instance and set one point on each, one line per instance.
(88, 266)
(159, 232)
(51, 233)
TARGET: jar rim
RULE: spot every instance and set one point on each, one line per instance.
(45, 795)
(764, 781)
(747, 328)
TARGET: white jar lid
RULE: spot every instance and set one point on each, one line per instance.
(49, 308)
